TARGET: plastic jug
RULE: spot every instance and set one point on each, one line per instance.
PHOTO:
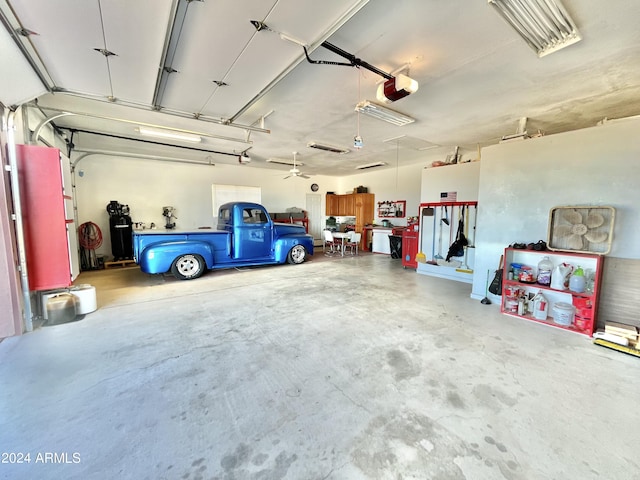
(544, 272)
(540, 307)
(577, 282)
(560, 276)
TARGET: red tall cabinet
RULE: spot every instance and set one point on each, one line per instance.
(410, 245)
(45, 223)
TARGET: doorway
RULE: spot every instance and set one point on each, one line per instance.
(314, 212)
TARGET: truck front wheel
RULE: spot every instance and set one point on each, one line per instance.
(297, 255)
(188, 267)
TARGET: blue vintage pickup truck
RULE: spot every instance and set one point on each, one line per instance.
(245, 236)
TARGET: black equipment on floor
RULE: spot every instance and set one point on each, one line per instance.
(121, 228)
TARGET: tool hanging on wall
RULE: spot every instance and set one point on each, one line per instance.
(439, 256)
(457, 247)
(464, 268)
(472, 241)
(433, 238)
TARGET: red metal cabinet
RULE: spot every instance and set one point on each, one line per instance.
(43, 215)
(410, 246)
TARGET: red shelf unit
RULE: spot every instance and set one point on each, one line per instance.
(532, 257)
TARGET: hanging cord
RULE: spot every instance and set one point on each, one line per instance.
(357, 141)
(90, 238)
(397, 163)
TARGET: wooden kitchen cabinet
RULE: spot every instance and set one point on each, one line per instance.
(364, 210)
(340, 205)
(347, 205)
(332, 206)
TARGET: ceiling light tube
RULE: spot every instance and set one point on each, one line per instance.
(544, 24)
(370, 165)
(383, 113)
(169, 134)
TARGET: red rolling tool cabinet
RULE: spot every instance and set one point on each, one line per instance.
(410, 245)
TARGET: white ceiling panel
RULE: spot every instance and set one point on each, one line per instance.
(249, 60)
(187, 93)
(308, 20)
(19, 83)
(135, 32)
(68, 31)
(264, 59)
(214, 35)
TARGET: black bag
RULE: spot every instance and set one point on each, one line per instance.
(457, 247)
(496, 283)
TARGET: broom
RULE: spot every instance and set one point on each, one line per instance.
(420, 256)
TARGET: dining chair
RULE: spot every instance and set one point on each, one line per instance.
(352, 244)
(329, 242)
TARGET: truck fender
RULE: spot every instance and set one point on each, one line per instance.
(158, 257)
(286, 242)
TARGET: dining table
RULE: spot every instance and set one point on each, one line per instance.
(342, 236)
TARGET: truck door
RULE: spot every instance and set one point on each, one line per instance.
(253, 236)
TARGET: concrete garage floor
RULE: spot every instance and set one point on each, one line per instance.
(347, 368)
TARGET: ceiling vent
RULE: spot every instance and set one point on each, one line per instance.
(328, 148)
(282, 161)
(370, 165)
(383, 113)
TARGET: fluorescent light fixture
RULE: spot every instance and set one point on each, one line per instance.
(281, 161)
(328, 148)
(544, 24)
(396, 88)
(383, 113)
(370, 165)
(169, 134)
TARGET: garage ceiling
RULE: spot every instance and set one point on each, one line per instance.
(203, 67)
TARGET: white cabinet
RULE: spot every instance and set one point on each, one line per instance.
(380, 241)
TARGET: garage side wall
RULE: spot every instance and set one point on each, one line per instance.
(522, 180)
(148, 185)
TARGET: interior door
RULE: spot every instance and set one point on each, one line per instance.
(313, 207)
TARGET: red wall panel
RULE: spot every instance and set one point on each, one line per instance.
(43, 216)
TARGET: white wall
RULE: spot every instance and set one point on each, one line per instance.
(521, 181)
(461, 178)
(148, 185)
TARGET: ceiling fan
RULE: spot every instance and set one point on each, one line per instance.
(295, 172)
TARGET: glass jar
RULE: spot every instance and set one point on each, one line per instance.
(544, 271)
